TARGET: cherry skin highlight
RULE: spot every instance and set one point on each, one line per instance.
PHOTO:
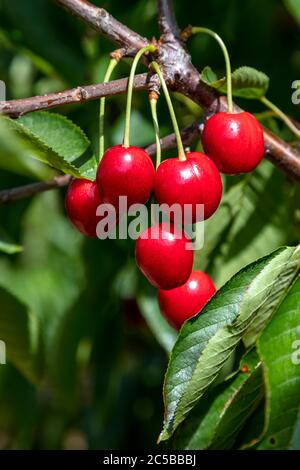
(82, 200)
(195, 180)
(125, 172)
(178, 305)
(164, 255)
(235, 142)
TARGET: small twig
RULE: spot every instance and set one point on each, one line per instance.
(81, 94)
(166, 20)
(28, 190)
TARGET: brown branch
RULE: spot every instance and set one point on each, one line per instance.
(188, 135)
(103, 22)
(15, 194)
(28, 190)
(166, 20)
(81, 94)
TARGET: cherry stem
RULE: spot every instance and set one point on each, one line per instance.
(181, 152)
(281, 115)
(153, 106)
(196, 30)
(112, 64)
(149, 48)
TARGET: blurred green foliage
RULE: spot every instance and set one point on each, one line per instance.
(98, 378)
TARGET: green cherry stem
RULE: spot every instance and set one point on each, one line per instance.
(196, 30)
(149, 48)
(111, 66)
(281, 115)
(153, 105)
(181, 152)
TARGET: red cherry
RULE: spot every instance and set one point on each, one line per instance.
(164, 255)
(81, 203)
(178, 305)
(195, 180)
(235, 142)
(125, 172)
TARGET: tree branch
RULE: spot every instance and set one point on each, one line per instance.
(103, 22)
(28, 190)
(81, 94)
(15, 194)
(166, 20)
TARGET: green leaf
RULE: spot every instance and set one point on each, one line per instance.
(32, 146)
(279, 350)
(14, 155)
(207, 340)
(247, 82)
(20, 331)
(226, 415)
(294, 8)
(209, 76)
(64, 137)
(163, 332)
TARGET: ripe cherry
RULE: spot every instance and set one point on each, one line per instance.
(125, 171)
(164, 255)
(235, 142)
(81, 203)
(178, 305)
(195, 180)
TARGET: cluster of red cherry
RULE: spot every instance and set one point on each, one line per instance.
(234, 144)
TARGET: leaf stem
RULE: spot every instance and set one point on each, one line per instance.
(153, 106)
(111, 66)
(198, 29)
(149, 48)
(281, 115)
(181, 152)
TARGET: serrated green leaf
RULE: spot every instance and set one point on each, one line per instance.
(279, 350)
(58, 132)
(64, 137)
(14, 155)
(247, 82)
(163, 332)
(33, 147)
(207, 340)
(20, 331)
(225, 416)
